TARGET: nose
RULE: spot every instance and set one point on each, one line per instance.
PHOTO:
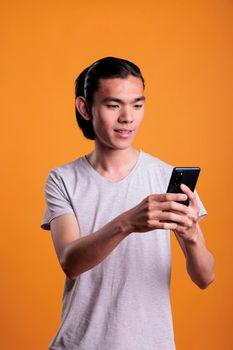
(126, 115)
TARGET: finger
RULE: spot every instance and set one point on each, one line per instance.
(166, 225)
(172, 217)
(180, 230)
(189, 193)
(174, 207)
(186, 226)
(165, 197)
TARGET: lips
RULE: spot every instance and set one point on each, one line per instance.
(123, 130)
(123, 134)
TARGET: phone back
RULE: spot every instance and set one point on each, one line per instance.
(185, 175)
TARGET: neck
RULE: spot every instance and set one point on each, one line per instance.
(112, 162)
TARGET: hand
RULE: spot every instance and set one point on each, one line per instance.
(157, 211)
(187, 230)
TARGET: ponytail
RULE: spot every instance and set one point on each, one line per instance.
(85, 125)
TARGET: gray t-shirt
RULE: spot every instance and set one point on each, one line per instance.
(123, 303)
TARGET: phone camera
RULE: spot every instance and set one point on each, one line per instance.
(178, 178)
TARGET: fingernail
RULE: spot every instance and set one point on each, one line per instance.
(184, 197)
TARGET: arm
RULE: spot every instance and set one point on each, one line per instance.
(199, 260)
(78, 254)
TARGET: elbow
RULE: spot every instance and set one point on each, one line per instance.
(211, 278)
(205, 279)
(205, 284)
(67, 268)
(69, 274)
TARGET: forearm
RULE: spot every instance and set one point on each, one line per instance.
(199, 261)
(88, 251)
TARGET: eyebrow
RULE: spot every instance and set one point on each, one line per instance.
(118, 100)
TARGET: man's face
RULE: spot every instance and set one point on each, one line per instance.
(118, 104)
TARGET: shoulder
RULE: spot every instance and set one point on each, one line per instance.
(157, 170)
(156, 163)
(68, 170)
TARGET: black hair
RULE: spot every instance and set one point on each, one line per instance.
(88, 82)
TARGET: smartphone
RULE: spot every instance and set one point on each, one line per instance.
(187, 176)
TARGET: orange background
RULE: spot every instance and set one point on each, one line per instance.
(185, 51)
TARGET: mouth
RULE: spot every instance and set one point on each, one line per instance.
(123, 131)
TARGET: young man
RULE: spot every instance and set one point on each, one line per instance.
(110, 219)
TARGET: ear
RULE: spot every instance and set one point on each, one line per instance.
(81, 105)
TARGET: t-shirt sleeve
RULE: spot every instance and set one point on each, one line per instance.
(203, 212)
(56, 198)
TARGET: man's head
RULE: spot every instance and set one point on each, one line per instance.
(88, 82)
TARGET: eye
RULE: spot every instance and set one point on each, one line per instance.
(112, 106)
(138, 106)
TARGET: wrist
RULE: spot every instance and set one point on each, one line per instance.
(126, 225)
(193, 239)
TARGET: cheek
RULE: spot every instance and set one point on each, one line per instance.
(101, 125)
(102, 120)
(140, 118)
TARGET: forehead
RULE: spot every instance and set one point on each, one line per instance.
(130, 87)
